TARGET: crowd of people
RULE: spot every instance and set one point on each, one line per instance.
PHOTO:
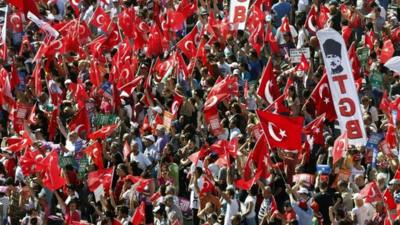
(148, 112)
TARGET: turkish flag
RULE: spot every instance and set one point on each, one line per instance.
(155, 196)
(268, 88)
(339, 147)
(100, 19)
(311, 19)
(126, 19)
(20, 144)
(75, 6)
(52, 177)
(323, 16)
(281, 131)
(396, 35)
(247, 184)
(371, 193)
(228, 85)
(188, 43)
(130, 86)
(27, 161)
(303, 65)
(187, 8)
(322, 99)
(385, 103)
(80, 121)
(175, 20)
(53, 125)
(255, 19)
(32, 115)
(176, 104)
(139, 182)
(389, 200)
(25, 6)
(98, 177)
(95, 47)
(386, 51)
(95, 74)
(315, 129)
(346, 33)
(285, 26)
(212, 119)
(270, 39)
(164, 68)
(355, 62)
(113, 38)
(369, 40)
(221, 147)
(390, 136)
(260, 155)
(208, 185)
(139, 217)
(154, 41)
(103, 132)
(95, 151)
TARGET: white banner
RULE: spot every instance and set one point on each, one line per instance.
(43, 25)
(238, 12)
(341, 83)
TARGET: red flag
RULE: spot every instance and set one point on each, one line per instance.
(95, 151)
(139, 217)
(303, 65)
(129, 87)
(32, 116)
(261, 156)
(346, 33)
(369, 40)
(188, 43)
(315, 129)
(323, 16)
(79, 121)
(103, 132)
(311, 20)
(175, 20)
(19, 145)
(270, 39)
(37, 81)
(154, 41)
(98, 177)
(268, 88)
(387, 51)
(247, 184)
(52, 177)
(95, 74)
(25, 6)
(285, 26)
(322, 99)
(155, 196)
(53, 125)
(176, 104)
(355, 62)
(396, 35)
(187, 8)
(339, 147)
(126, 150)
(390, 136)
(389, 200)
(6, 96)
(213, 100)
(100, 19)
(75, 6)
(385, 103)
(281, 131)
(208, 185)
(164, 68)
(371, 193)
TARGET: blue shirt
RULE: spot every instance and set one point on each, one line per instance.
(255, 68)
(302, 216)
(281, 10)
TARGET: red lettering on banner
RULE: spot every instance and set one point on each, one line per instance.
(340, 79)
(347, 107)
(353, 129)
(239, 14)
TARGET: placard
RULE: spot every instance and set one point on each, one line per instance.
(167, 120)
(295, 54)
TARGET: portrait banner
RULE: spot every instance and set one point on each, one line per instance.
(342, 85)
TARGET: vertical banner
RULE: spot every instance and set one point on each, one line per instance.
(342, 85)
(238, 13)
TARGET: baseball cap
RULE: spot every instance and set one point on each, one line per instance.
(303, 190)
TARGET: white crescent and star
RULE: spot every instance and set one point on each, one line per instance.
(271, 131)
(310, 24)
(211, 102)
(57, 44)
(267, 92)
(100, 19)
(187, 44)
(175, 106)
(74, 2)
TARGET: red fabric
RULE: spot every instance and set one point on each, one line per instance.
(25, 6)
(247, 184)
(176, 104)
(315, 129)
(288, 128)
(322, 99)
(385, 104)
(389, 200)
(187, 8)
(71, 218)
(303, 65)
(130, 86)
(355, 62)
(53, 124)
(285, 26)
(52, 177)
(103, 132)
(387, 51)
(101, 19)
(390, 136)
(175, 19)
(98, 177)
(95, 151)
(139, 217)
(80, 121)
(188, 43)
(371, 193)
(323, 16)
(311, 20)
(339, 147)
(208, 185)
(268, 88)
(270, 39)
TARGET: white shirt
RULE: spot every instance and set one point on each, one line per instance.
(232, 209)
(250, 199)
(279, 35)
(194, 196)
(141, 159)
(224, 68)
(364, 213)
(234, 133)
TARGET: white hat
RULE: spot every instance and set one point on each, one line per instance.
(236, 71)
(149, 137)
(303, 191)
(268, 18)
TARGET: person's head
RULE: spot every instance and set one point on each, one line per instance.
(303, 197)
(381, 179)
(122, 211)
(122, 170)
(253, 190)
(287, 206)
(267, 193)
(73, 205)
(169, 200)
(134, 147)
(342, 186)
(359, 180)
(333, 53)
(236, 219)
(230, 192)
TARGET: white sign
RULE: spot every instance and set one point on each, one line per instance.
(342, 85)
(238, 12)
(295, 54)
(43, 25)
(98, 192)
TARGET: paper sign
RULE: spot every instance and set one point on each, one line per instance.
(168, 118)
(325, 169)
(295, 54)
(309, 179)
(98, 192)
